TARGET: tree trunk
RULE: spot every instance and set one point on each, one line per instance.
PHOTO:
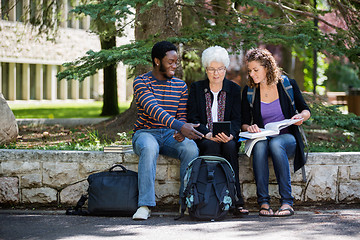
(314, 75)
(164, 22)
(110, 98)
(286, 61)
(299, 73)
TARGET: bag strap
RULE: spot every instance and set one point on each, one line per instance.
(251, 92)
(288, 90)
(290, 93)
(230, 178)
(118, 165)
(195, 167)
(210, 167)
(77, 210)
(220, 194)
(251, 96)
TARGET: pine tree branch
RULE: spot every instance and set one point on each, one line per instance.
(303, 13)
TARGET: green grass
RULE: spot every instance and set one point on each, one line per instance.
(60, 110)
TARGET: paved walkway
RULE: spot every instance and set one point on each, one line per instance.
(312, 224)
(60, 121)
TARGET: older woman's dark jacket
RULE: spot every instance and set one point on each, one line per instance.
(253, 115)
(196, 105)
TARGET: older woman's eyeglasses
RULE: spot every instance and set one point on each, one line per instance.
(214, 70)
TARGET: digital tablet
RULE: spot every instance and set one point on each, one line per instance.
(219, 127)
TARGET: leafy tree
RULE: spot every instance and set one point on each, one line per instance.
(105, 26)
(341, 76)
(242, 25)
(236, 25)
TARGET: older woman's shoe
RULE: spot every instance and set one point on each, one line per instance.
(240, 211)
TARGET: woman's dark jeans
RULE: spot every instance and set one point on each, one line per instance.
(280, 148)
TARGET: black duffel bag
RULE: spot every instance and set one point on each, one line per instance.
(110, 193)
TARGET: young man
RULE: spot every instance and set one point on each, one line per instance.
(161, 126)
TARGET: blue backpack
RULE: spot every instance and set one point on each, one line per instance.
(209, 188)
(290, 93)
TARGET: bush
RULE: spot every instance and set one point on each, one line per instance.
(329, 130)
(340, 77)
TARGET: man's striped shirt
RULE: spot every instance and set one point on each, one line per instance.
(161, 104)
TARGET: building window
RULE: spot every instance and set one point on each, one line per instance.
(69, 95)
(5, 9)
(70, 15)
(45, 81)
(33, 11)
(32, 81)
(81, 22)
(19, 11)
(19, 76)
(5, 79)
(58, 84)
(81, 87)
(92, 86)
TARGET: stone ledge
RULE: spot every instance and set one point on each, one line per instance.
(59, 177)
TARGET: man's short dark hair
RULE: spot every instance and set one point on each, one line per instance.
(160, 49)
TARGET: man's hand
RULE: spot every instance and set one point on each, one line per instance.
(208, 135)
(189, 131)
(178, 136)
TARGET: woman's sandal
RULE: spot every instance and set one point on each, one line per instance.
(291, 212)
(268, 210)
(241, 211)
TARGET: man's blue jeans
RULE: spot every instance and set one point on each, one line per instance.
(148, 144)
(280, 148)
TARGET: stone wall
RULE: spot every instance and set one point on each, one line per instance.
(59, 177)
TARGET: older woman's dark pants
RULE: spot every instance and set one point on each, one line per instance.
(229, 151)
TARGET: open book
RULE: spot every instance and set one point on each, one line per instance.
(269, 130)
(250, 143)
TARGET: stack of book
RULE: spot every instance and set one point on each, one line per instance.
(118, 148)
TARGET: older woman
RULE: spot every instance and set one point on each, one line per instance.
(273, 103)
(217, 99)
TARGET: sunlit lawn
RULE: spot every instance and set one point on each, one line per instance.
(60, 110)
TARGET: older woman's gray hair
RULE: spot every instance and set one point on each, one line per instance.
(215, 54)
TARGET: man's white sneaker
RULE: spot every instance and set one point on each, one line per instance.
(142, 213)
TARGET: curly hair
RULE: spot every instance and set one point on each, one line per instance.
(267, 60)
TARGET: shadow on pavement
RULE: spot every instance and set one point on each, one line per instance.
(329, 224)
